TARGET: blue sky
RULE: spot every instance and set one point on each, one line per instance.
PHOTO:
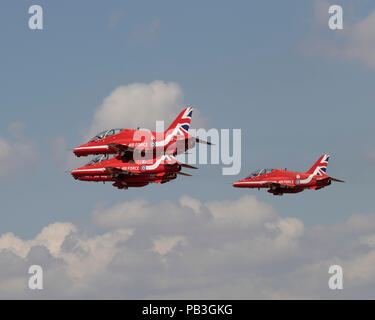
(244, 64)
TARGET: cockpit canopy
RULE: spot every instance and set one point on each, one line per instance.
(105, 134)
(259, 172)
(101, 158)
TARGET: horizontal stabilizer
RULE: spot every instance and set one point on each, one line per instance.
(204, 142)
(184, 165)
(183, 174)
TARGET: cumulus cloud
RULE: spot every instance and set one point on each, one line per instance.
(356, 42)
(138, 104)
(163, 245)
(50, 237)
(17, 152)
(187, 249)
(70, 260)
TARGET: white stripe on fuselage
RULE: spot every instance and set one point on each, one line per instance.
(95, 147)
(157, 163)
(256, 182)
(163, 143)
(98, 169)
(310, 177)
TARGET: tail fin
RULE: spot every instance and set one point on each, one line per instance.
(182, 122)
(320, 167)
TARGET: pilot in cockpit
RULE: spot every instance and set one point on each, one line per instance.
(259, 173)
(106, 134)
(100, 159)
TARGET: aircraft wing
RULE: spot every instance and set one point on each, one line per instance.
(276, 185)
(273, 184)
(114, 170)
(120, 148)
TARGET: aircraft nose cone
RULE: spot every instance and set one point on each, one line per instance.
(236, 184)
(77, 152)
(75, 174)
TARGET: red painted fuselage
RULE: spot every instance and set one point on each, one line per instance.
(129, 142)
(137, 140)
(279, 182)
(126, 174)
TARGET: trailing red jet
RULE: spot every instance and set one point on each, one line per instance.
(130, 174)
(283, 181)
(126, 142)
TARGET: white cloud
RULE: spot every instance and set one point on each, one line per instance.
(247, 211)
(70, 260)
(51, 237)
(187, 201)
(163, 245)
(288, 230)
(17, 152)
(187, 249)
(138, 104)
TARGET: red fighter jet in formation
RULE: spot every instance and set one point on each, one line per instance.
(283, 181)
(124, 168)
(127, 142)
(108, 168)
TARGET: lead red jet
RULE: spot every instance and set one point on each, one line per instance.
(126, 142)
(130, 174)
(279, 182)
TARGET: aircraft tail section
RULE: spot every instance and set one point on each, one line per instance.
(179, 128)
(320, 167)
(182, 122)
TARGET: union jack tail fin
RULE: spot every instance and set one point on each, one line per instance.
(182, 122)
(320, 167)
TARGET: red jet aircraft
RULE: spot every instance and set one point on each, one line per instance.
(174, 140)
(282, 181)
(130, 174)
